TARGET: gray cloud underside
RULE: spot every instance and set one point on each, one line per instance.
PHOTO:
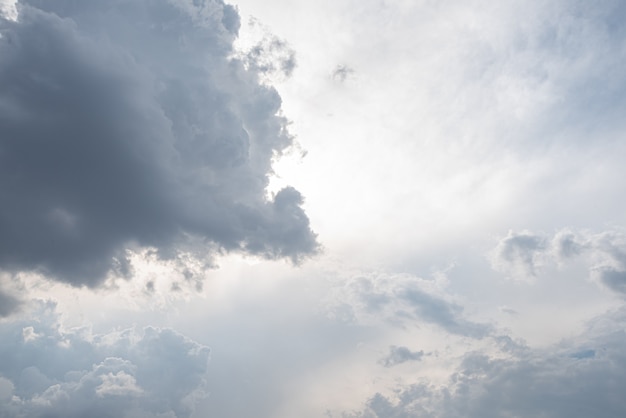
(128, 123)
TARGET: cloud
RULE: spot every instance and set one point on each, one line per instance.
(47, 371)
(518, 254)
(614, 279)
(129, 124)
(566, 244)
(8, 304)
(398, 355)
(604, 254)
(341, 73)
(7, 9)
(577, 378)
(402, 300)
(269, 56)
(551, 71)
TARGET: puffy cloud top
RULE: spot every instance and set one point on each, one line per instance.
(49, 372)
(129, 123)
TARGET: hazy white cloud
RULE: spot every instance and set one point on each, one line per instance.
(129, 124)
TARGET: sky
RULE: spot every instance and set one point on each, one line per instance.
(331, 209)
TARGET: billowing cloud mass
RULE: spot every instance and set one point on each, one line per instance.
(46, 371)
(129, 124)
(578, 378)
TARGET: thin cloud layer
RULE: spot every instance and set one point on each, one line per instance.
(128, 123)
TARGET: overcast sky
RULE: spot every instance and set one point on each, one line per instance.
(329, 209)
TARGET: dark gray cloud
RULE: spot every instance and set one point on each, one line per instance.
(400, 354)
(73, 373)
(127, 123)
(578, 379)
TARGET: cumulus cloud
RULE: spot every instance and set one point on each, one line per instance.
(46, 371)
(581, 377)
(129, 124)
(523, 254)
